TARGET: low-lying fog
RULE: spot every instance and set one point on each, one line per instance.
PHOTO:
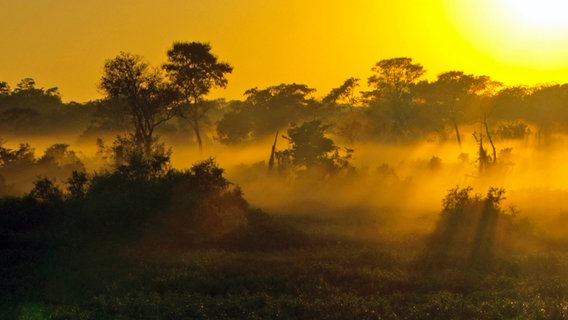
(392, 187)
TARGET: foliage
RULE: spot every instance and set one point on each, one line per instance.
(194, 71)
(9, 156)
(150, 100)
(310, 149)
(394, 78)
(77, 185)
(338, 281)
(392, 105)
(129, 160)
(28, 109)
(266, 111)
(45, 190)
(343, 94)
(236, 125)
(471, 230)
(18, 168)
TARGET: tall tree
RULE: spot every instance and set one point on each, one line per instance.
(194, 71)
(276, 107)
(393, 82)
(129, 78)
(395, 77)
(451, 90)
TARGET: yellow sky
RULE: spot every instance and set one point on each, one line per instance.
(320, 43)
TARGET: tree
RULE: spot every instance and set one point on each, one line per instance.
(26, 84)
(45, 190)
(150, 100)
(276, 107)
(265, 111)
(452, 90)
(236, 125)
(194, 71)
(4, 88)
(311, 149)
(393, 82)
(8, 156)
(344, 94)
(395, 77)
(349, 121)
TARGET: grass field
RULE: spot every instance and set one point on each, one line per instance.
(326, 278)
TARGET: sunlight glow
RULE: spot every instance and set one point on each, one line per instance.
(519, 33)
(547, 15)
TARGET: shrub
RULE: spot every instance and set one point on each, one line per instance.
(471, 227)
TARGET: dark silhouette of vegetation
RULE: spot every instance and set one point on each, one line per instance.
(393, 84)
(452, 92)
(19, 168)
(139, 239)
(28, 110)
(265, 111)
(311, 150)
(194, 71)
(401, 107)
(471, 230)
(150, 100)
(344, 94)
(140, 202)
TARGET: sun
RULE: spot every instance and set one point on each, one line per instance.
(537, 15)
(527, 33)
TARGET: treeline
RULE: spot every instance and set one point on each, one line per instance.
(400, 106)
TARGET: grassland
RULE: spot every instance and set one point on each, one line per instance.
(327, 277)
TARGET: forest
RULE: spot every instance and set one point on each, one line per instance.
(391, 197)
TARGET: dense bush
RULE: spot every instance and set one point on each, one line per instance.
(472, 229)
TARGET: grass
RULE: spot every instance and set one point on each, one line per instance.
(341, 266)
(327, 280)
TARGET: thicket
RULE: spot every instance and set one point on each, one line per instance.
(139, 202)
(473, 229)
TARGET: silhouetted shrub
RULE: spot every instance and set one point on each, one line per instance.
(45, 190)
(471, 228)
(311, 150)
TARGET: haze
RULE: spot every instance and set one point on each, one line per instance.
(283, 159)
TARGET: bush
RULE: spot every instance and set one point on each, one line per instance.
(470, 229)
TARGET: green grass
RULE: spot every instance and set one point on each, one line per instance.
(346, 280)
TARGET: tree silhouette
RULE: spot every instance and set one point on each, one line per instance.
(278, 106)
(344, 94)
(453, 90)
(129, 78)
(393, 82)
(264, 111)
(4, 88)
(194, 71)
(310, 148)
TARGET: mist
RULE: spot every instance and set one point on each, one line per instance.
(415, 195)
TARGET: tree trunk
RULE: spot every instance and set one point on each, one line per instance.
(457, 130)
(489, 137)
(197, 135)
(272, 154)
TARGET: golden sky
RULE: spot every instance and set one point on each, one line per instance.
(320, 43)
